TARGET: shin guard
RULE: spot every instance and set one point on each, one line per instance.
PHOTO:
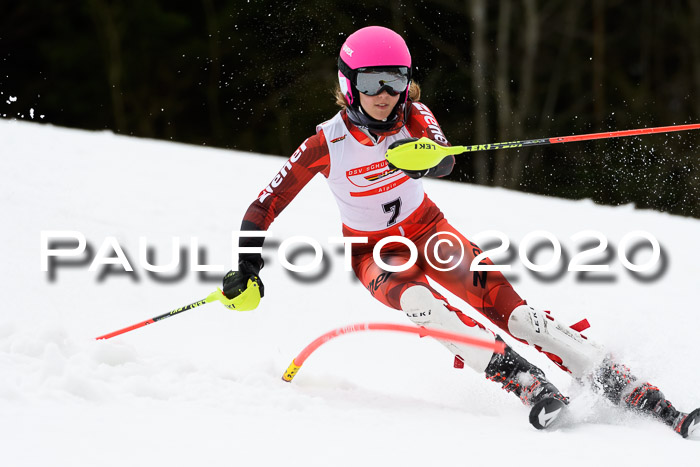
(564, 346)
(425, 309)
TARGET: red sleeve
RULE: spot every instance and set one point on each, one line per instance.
(309, 159)
(421, 122)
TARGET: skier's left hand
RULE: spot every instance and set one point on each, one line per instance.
(414, 174)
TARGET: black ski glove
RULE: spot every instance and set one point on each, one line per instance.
(414, 174)
(443, 168)
(236, 282)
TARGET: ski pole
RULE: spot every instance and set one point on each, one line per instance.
(299, 360)
(212, 297)
(588, 137)
(425, 153)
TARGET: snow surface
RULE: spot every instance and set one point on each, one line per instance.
(204, 387)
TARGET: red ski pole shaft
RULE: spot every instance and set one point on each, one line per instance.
(212, 297)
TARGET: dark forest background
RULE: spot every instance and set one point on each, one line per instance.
(258, 76)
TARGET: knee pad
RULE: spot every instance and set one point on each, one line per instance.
(564, 346)
(425, 309)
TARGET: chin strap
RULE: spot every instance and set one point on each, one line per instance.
(392, 125)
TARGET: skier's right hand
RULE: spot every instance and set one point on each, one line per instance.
(243, 288)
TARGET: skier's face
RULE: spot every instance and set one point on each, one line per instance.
(378, 107)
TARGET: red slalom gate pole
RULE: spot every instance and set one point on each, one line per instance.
(498, 347)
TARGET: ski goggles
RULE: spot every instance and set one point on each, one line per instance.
(372, 81)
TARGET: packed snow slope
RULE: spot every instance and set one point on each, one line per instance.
(205, 388)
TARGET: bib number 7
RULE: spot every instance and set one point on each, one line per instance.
(393, 208)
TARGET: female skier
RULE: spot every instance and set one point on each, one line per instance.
(380, 107)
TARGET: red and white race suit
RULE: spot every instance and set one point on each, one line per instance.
(376, 202)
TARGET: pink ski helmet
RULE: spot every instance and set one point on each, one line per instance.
(372, 60)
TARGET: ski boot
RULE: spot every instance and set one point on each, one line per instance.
(529, 383)
(622, 388)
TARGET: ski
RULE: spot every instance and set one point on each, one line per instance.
(545, 412)
(688, 424)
